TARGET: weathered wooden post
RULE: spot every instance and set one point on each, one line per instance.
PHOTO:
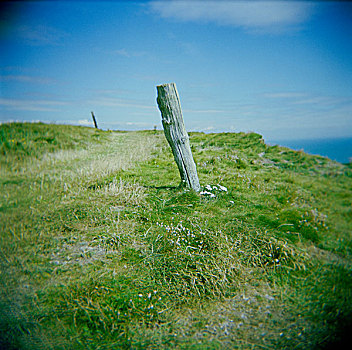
(176, 134)
(95, 122)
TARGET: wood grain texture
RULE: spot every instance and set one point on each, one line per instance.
(176, 134)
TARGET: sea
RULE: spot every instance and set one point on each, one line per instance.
(339, 149)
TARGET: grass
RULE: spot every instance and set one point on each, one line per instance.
(101, 248)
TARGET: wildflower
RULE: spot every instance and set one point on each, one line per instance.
(207, 194)
(140, 295)
(222, 188)
(149, 295)
(208, 187)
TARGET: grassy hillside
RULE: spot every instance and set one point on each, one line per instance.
(101, 248)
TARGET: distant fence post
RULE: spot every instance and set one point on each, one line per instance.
(95, 122)
(176, 134)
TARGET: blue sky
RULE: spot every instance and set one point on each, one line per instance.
(280, 68)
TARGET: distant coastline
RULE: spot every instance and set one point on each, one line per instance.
(338, 149)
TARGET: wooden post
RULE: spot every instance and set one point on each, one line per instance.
(176, 134)
(95, 122)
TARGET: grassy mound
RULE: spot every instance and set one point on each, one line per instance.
(101, 248)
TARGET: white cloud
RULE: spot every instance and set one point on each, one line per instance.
(122, 52)
(284, 95)
(262, 15)
(85, 122)
(117, 102)
(297, 98)
(209, 128)
(40, 35)
(31, 105)
(324, 101)
(205, 111)
(121, 125)
(26, 79)
(128, 53)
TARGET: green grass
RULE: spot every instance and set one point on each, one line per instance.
(102, 249)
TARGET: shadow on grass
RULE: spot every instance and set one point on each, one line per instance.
(164, 187)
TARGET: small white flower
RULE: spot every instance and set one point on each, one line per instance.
(206, 193)
(208, 187)
(222, 188)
